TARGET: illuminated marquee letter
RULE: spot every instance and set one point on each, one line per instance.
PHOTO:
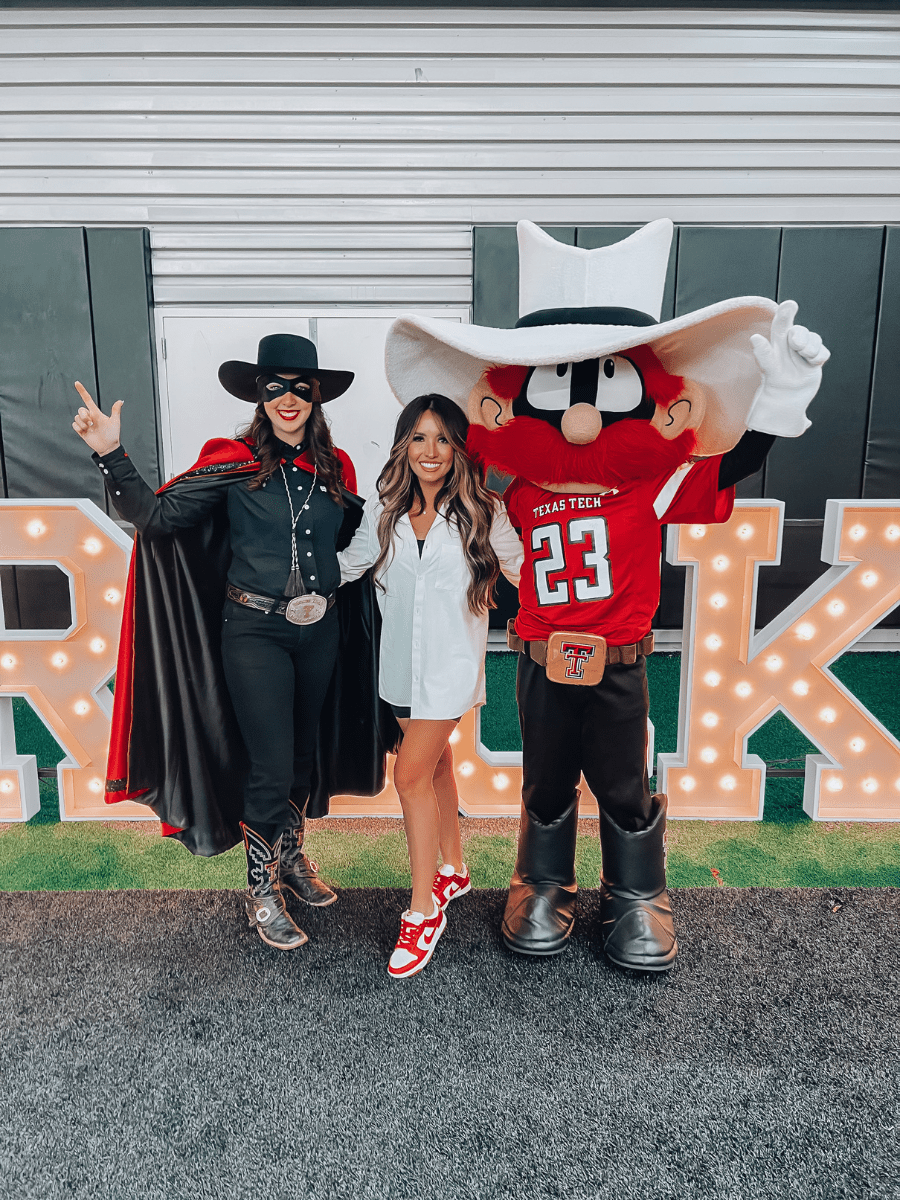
(733, 679)
(64, 673)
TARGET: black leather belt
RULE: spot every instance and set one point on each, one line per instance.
(299, 610)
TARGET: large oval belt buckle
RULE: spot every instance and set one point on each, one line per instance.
(306, 610)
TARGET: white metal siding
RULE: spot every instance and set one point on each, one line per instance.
(340, 157)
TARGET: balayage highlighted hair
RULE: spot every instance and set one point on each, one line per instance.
(463, 498)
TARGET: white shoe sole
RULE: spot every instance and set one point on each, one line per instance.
(420, 966)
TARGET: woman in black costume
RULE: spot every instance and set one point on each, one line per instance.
(279, 626)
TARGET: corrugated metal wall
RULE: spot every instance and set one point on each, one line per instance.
(341, 157)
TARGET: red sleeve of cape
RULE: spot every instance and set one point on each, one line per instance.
(215, 452)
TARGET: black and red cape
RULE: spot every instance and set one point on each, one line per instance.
(175, 743)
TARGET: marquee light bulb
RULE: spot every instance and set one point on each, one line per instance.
(744, 690)
(836, 607)
(805, 631)
(774, 662)
(112, 595)
(713, 678)
(868, 578)
(98, 645)
(454, 737)
(870, 785)
(828, 715)
(96, 785)
(857, 532)
(857, 745)
(745, 532)
(500, 781)
(59, 659)
(728, 783)
(834, 784)
(892, 533)
(721, 563)
(713, 642)
(92, 545)
(698, 531)
(708, 754)
(7, 786)
(36, 528)
(710, 720)
(7, 662)
(718, 600)
(466, 769)
(82, 707)
(687, 783)
(800, 688)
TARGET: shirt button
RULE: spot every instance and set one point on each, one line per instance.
(416, 644)
(118, 493)
(295, 468)
(416, 678)
(309, 531)
(312, 576)
(309, 554)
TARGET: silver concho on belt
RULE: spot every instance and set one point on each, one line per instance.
(306, 610)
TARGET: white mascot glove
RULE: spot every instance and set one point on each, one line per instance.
(791, 366)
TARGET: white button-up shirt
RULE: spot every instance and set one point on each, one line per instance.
(432, 646)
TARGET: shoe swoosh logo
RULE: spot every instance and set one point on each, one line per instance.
(426, 938)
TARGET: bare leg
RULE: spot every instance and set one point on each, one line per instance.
(423, 745)
(448, 808)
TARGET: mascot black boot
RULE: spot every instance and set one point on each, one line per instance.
(635, 913)
(540, 909)
(264, 903)
(297, 873)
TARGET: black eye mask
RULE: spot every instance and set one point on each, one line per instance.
(266, 391)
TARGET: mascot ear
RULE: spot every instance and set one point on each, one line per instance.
(686, 412)
(491, 399)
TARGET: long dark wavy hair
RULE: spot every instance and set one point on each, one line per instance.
(463, 499)
(318, 441)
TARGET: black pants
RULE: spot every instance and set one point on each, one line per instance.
(277, 675)
(600, 731)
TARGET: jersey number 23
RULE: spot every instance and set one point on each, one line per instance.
(591, 533)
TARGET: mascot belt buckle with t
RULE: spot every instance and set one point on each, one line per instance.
(306, 610)
(575, 658)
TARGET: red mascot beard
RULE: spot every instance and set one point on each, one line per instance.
(627, 451)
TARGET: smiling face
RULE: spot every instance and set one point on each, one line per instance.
(430, 453)
(287, 410)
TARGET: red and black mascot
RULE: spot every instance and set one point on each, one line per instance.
(612, 424)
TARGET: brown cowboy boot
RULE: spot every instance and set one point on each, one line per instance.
(264, 903)
(297, 873)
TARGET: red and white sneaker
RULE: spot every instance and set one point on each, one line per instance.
(418, 937)
(448, 885)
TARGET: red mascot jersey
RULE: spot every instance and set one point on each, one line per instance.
(592, 562)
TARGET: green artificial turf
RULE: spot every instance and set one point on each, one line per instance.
(786, 849)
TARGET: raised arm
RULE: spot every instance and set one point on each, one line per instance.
(133, 499)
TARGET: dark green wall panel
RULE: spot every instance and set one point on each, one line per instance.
(881, 478)
(495, 296)
(121, 302)
(716, 264)
(45, 345)
(833, 274)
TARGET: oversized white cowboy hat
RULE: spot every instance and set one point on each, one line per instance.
(580, 304)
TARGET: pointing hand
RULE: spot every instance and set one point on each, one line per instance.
(101, 432)
(790, 361)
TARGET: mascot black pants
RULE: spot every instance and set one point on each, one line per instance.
(599, 730)
(277, 675)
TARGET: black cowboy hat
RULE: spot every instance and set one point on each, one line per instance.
(282, 352)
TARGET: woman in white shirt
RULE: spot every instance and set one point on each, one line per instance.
(437, 540)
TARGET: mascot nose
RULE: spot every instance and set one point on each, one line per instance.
(581, 424)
